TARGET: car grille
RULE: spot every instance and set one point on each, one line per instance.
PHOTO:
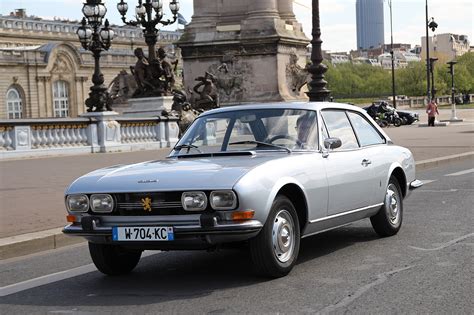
(145, 204)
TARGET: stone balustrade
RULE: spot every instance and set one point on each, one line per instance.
(94, 132)
(421, 101)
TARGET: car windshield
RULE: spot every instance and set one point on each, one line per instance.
(283, 130)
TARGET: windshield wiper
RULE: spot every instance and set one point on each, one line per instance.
(187, 146)
(261, 144)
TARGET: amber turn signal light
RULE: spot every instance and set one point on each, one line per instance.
(242, 215)
(71, 218)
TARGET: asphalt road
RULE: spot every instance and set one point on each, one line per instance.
(426, 269)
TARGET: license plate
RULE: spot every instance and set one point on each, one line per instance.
(142, 234)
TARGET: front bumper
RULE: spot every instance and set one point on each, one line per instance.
(191, 234)
(413, 185)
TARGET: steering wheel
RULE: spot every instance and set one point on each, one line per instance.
(278, 137)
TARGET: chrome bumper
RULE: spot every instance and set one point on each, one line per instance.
(206, 233)
(415, 184)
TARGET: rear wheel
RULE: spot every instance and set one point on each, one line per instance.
(275, 249)
(388, 220)
(113, 260)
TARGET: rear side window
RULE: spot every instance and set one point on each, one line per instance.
(366, 133)
(338, 126)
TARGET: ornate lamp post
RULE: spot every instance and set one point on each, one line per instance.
(96, 39)
(453, 91)
(148, 14)
(433, 25)
(317, 85)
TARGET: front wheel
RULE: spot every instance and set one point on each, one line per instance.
(397, 122)
(113, 260)
(275, 249)
(388, 220)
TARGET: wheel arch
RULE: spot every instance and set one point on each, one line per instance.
(399, 174)
(298, 198)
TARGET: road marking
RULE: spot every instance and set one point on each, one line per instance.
(461, 172)
(457, 240)
(54, 277)
(381, 278)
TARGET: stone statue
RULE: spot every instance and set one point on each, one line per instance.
(297, 75)
(122, 87)
(168, 70)
(206, 96)
(182, 109)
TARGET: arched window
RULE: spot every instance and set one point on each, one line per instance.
(61, 99)
(14, 104)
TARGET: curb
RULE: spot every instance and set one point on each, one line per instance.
(25, 244)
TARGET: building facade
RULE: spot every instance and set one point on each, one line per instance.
(445, 46)
(46, 72)
(370, 24)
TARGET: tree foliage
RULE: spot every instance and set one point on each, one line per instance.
(363, 80)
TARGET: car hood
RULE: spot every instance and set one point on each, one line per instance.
(170, 175)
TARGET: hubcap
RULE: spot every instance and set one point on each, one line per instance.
(283, 236)
(392, 204)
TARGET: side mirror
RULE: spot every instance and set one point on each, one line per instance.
(332, 143)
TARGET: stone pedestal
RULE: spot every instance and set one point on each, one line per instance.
(148, 107)
(255, 49)
(105, 135)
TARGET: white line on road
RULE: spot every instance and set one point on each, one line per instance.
(54, 277)
(461, 172)
(445, 244)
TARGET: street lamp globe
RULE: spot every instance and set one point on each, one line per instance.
(174, 6)
(122, 7)
(84, 32)
(107, 34)
(94, 11)
(433, 25)
(140, 11)
(157, 4)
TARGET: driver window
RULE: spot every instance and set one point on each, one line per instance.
(339, 127)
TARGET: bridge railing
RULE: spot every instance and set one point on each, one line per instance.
(90, 134)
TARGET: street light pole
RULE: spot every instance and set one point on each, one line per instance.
(393, 57)
(95, 38)
(317, 86)
(433, 25)
(453, 91)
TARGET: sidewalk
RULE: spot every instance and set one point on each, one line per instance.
(32, 190)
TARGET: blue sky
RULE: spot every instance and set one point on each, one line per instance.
(338, 19)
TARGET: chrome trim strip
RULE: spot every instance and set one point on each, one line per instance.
(345, 213)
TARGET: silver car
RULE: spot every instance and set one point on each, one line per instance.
(264, 175)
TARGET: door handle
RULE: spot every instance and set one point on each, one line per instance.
(366, 162)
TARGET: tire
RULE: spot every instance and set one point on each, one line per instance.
(275, 249)
(383, 123)
(397, 122)
(113, 260)
(388, 220)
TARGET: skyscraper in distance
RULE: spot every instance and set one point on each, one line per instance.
(370, 23)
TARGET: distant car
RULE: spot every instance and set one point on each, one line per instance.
(408, 117)
(260, 175)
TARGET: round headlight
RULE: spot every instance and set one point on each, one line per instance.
(223, 200)
(102, 203)
(77, 203)
(194, 200)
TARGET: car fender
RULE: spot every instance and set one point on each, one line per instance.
(279, 185)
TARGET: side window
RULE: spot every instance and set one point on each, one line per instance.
(338, 126)
(366, 133)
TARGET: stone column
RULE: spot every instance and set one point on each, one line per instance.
(263, 9)
(205, 12)
(285, 8)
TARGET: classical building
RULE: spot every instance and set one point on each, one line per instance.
(46, 72)
(445, 46)
(370, 24)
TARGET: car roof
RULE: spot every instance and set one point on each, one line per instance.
(289, 105)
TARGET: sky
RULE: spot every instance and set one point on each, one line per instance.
(338, 17)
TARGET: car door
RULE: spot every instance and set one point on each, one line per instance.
(349, 171)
